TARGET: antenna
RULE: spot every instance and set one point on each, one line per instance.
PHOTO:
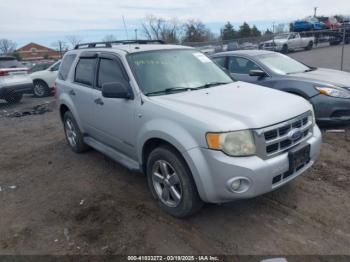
(126, 30)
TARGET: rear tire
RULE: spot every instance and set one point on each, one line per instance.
(41, 89)
(309, 46)
(13, 98)
(171, 182)
(74, 136)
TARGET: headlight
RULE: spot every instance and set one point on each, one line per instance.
(334, 92)
(239, 143)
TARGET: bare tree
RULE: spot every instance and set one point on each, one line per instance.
(156, 28)
(109, 38)
(196, 31)
(60, 46)
(74, 40)
(7, 46)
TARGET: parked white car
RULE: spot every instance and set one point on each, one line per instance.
(44, 80)
(288, 42)
(14, 80)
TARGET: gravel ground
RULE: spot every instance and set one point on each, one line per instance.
(53, 201)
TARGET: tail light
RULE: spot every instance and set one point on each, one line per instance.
(54, 90)
(4, 73)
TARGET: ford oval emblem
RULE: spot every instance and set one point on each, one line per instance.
(295, 134)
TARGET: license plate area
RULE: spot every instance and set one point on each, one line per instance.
(298, 158)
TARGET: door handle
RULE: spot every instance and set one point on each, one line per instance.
(99, 101)
(72, 93)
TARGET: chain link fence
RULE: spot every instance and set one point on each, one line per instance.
(283, 42)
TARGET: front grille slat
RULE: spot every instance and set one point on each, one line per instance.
(278, 138)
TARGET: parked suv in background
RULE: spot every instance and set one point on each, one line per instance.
(44, 80)
(14, 80)
(170, 112)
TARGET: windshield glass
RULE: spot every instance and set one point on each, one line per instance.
(283, 65)
(282, 36)
(164, 70)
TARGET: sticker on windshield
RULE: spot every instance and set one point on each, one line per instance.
(202, 58)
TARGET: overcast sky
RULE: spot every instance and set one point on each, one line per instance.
(44, 21)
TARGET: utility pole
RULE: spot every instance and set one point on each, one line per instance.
(135, 34)
(342, 50)
(315, 11)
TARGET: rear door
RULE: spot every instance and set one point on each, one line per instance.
(113, 117)
(82, 87)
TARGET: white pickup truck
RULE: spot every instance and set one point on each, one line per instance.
(288, 42)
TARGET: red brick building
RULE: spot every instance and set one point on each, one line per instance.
(33, 51)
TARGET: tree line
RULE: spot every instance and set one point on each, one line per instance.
(157, 28)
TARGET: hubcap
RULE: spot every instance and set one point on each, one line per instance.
(39, 89)
(71, 133)
(166, 183)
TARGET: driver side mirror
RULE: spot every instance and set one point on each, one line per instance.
(117, 90)
(258, 73)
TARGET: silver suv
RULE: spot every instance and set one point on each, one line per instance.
(170, 112)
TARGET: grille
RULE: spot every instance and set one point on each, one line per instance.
(281, 137)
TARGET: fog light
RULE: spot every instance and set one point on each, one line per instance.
(239, 184)
(235, 185)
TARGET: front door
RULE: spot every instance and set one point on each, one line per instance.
(239, 68)
(113, 117)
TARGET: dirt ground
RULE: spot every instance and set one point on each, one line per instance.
(53, 201)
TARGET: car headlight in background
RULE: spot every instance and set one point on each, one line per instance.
(238, 143)
(334, 92)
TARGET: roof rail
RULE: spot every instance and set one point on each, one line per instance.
(120, 42)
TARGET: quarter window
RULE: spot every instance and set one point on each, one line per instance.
(65, 67)
(240, 65)
(109, 71)
(84, 72)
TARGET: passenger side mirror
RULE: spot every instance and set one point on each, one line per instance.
(258, 73)
(116, 90)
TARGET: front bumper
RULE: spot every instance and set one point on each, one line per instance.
(26, 88)
(331, 109)
(213, 170)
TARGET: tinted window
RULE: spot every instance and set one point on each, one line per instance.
(239, 65)
(220, 61)
(9, 63)
(65, 66)
(84, 72)
(109, 71)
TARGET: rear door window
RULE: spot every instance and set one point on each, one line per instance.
(65, 66)
(84, 72)
(10, 63)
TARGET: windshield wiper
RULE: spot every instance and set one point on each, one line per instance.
(208, 85)
(170, 90)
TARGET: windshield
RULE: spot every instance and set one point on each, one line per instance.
(283, 65)
(181, 70)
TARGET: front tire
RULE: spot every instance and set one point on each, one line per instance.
(171, 182)
(309, 46)
(74, 136)
(41, 89)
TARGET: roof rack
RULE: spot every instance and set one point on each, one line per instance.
(120, 42)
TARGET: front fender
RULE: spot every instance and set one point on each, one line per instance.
(168, 131)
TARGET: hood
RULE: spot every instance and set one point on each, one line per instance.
(235, 106)
(327, 76)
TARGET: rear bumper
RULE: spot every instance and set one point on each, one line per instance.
(331, 110)
(26, 88)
